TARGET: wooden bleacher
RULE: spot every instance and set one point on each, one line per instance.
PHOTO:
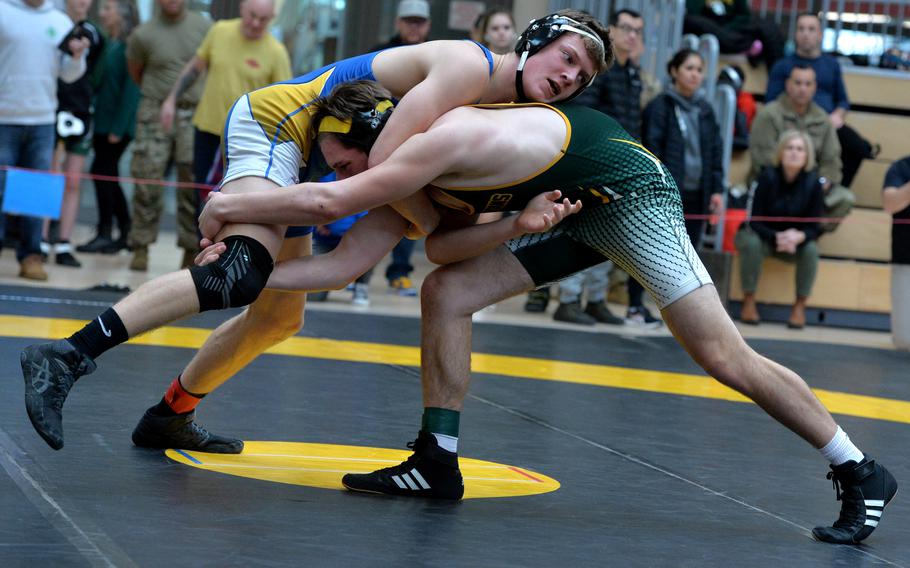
(848, 285)
(853, 274)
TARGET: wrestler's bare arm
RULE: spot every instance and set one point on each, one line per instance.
(361, 248)
(420, 160)
(454, 242)
(433, 79)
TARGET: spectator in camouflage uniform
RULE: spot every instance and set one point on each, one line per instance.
(156, 54)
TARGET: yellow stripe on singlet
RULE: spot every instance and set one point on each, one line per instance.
(631, 143)
(663, 382)
(280, 110)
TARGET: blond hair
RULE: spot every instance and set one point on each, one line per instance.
(807, 141)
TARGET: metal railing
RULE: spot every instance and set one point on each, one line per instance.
(852, 26)
(881, 23)
(724, 103)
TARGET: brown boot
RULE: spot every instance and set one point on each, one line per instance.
(32, 268)
(798, 315)
(140, 262)
(749, 313)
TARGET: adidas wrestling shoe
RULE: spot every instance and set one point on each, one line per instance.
(430, 472)
(864, 490)
(49, 370)
(180, 432)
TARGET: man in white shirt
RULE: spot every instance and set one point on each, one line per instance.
(36, 48)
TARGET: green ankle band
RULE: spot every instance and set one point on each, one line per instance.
(441, 421)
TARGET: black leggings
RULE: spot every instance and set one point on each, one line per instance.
(108, 193)
(854, 149)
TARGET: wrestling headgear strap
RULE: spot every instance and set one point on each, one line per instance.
(539, 34)
(363, 129)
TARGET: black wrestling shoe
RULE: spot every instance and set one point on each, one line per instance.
(430, 472)
(864, 490)
(95, 245)
(180, 432)
(49, 370)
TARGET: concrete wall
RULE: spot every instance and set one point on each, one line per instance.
(526, 10)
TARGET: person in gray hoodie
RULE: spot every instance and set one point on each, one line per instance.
(36, 48)
(679, 127)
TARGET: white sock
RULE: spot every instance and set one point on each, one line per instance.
(840, 449)
(447, 443)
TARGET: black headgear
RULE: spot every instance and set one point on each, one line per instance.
(362, 129)
(539, 34)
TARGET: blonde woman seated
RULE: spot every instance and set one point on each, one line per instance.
(790, 189)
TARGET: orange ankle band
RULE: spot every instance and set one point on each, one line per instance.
(179, 399)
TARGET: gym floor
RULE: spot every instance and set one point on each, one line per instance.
(593, 447)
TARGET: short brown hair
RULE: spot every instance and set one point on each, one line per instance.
(351, 102)
(597, 28)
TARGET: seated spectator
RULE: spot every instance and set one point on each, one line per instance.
(790, 188)
(737, 31)
(830, 92)
(894, 58)
(795, 109)
(896, 200)
(498, 31)
(679, 128)
(593, 283)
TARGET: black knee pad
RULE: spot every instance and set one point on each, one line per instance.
(237, 278)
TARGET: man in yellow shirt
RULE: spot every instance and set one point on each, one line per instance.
(240, 56)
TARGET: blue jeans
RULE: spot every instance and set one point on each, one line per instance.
(595, 280)
(401, 260)
(26, 147)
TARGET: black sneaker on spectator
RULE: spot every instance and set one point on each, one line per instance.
(537, 300)
(63, 255)
(571, 312)
(95, 245)
(640, 316)
(115, 246)
(602, 313)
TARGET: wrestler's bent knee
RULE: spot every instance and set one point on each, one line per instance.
(237, 278)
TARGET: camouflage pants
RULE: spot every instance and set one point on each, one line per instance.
(153, 150)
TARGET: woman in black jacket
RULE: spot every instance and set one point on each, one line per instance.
(679, 127)
(791, 189)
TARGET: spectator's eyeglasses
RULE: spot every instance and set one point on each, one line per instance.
(630, 30)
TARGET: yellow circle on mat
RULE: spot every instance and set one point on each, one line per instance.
(322, 465)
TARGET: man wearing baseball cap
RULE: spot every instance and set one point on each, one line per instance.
(412, 24)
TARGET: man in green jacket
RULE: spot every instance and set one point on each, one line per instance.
(795, 109)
